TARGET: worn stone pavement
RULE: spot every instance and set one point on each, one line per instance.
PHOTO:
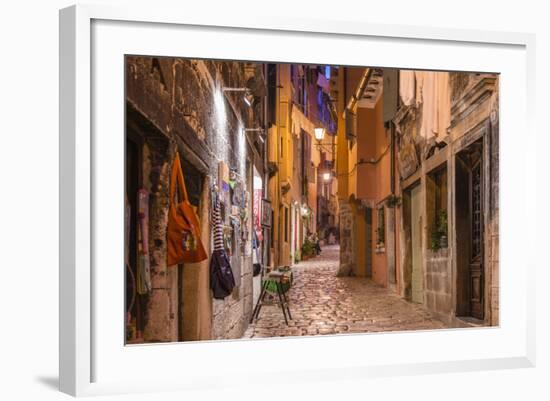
(321, 303)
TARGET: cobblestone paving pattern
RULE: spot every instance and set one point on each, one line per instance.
(321, 303)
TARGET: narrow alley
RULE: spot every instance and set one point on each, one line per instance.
(237, 172)
(322, 303)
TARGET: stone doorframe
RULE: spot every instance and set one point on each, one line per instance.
(480, 132)
(405, 272)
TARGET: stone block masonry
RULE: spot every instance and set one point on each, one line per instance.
(175, 104)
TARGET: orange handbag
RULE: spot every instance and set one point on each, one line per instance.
(184, 235)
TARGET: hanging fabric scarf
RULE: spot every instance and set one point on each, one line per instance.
(222, 281)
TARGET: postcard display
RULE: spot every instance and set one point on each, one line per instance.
(234, 202)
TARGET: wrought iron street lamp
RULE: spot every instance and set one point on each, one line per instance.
(319, 133)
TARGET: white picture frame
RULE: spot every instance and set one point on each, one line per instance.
(87, 364)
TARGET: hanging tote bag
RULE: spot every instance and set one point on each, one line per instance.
(184, 236)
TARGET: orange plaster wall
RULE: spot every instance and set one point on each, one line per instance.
(381, 188)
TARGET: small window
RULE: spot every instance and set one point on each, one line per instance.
(286, 224)
(436, 208)
(381, 227)
(272, 234)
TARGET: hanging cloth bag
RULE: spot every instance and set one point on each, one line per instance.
(184, 237)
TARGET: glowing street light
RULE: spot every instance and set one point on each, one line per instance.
(319, 133)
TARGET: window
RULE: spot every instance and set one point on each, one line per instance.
(286, 224)
(476, 210)
(436, 208)
(272, 233)
(381, 227)
(272, 93)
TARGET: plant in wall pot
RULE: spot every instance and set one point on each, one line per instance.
(380, 241)
(393, 201)
(308, 249)
(439, 234)
(442, 228)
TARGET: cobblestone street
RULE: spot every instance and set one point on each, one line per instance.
(321, 303)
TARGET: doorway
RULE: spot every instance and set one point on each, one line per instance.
(470, 297)
(258, 233)
(416, 244)
(135, 302)
(368, 237)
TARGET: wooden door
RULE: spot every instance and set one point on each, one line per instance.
(416, 240)
(476, 241)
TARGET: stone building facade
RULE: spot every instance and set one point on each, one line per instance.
(453, 177)
(418, 187)
(194, 107)
(302, 201)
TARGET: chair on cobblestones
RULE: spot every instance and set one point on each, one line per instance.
(275, 282)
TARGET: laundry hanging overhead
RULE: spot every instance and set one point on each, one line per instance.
(301, 122)
(429, 91)
(407, 86)
(444, 102)
(324, 83)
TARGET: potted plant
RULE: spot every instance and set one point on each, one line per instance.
(442, 228)
(297, 257)
(308, 249)
(381, 239)
(439, 234)
(393, 201)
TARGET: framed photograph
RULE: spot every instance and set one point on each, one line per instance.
(424, 206)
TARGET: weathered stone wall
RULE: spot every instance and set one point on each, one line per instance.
(493, 219)
(474, 115)
(438, 291)
(347, 239)
(161, 322)
(180, 104)
(232, 314)
(475, 111)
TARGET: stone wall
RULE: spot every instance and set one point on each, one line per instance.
(474, 116)
(347, 239)
(493, 221)
(438, 291)
(475, 112)
(179, 104)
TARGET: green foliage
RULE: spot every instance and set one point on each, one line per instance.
(442, 222)
(308, 248)
(381, 235)
(393, 201)
(297, 257)
(435, 241)
(439, 233)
